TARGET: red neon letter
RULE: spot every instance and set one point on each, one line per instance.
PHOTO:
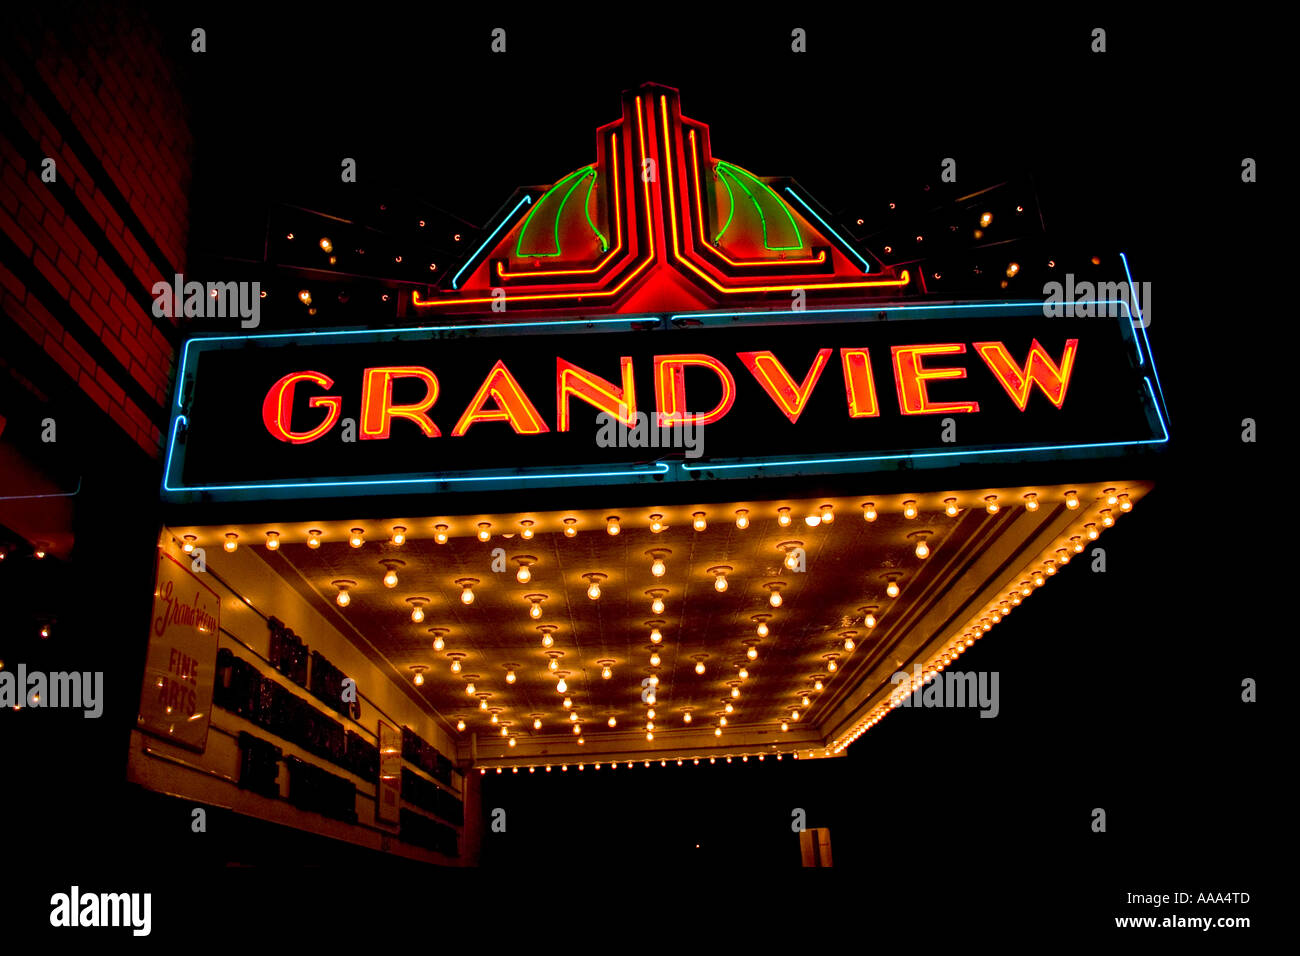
(1039, 370)
(513, 405)
(277, 409)
(776, 381)
(670, 389)
(859, 384)
(378, 410)
(605, 395)
(911, 378)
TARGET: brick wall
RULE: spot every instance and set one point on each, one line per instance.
(79, 256)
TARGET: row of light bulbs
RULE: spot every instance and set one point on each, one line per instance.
(1035, 577)
(825, 514)
(613, 764)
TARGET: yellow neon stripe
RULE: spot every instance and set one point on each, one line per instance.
(618, 231)
(672, 208)
(699, 207)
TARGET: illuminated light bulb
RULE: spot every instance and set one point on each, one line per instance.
(686, 717)
(460, 725)
(654, 682)
(467, 595)
(785, 726)
(794, 715)
(417, 614)
(783, 517)
(950, 507)
(654, 659)
(593, 591)
(1125, 504)
(1031, 502)
(273, 541)
(1051, 568)
(342, 599)
(1092, 531)
(440, 533)
(849, 644)
(922, 549)
(570, 527)
(496, 719)
(606, 672)
(762, 629)
(742, 519)
(728, 707)
(649, 735)
(991, 504)
(304, 296)
(612, 526)
(869, 620)
(650, 699)
(482, 704)
(326, 245)
(658, 567)
(470, 689)
(828, 514)
(511, 743)
(232, 541)
(722, 721)
(505, 732)
(523, 575)
(698, 522)
(657, 606)
(1077, 545)
(812, 521)
(390, 579)
(1039, 580)
(720, 583)
(455, 667)
(313, 539)
(613, 722)
(552, 665)
(188, 546)
(892, 589)
(419, 678)
(869, 511)
(535, 611)
(818, 685)
(995, 617)
(832, 666)
(805, 701)
(735, 692)
(743, 674)
(1107, 519)
(1110, 497)
(717, 733)
(650, 714)
(1071, 500)
(650, 725)
(527, 532)
(399, 535)
(355, 538)
(547, 640)
(510, 677)
(791, 559)
(1012, 269)
(655, 635)
(561, 687)
(775, 599)
(752, 653)
(699, 667)
(573, 717)
(568, 701)
(484, 531)
(986, 218)
(909, 509)
(656, 523)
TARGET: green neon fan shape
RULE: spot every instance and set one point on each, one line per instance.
(761, 195)
(553, 202)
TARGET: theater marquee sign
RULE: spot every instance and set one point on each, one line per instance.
(406, 410)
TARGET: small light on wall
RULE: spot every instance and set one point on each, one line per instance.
(440, 533)
(232, 541)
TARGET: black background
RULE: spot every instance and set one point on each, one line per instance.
(1119, 690)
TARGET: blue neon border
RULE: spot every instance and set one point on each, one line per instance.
(659, 469)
